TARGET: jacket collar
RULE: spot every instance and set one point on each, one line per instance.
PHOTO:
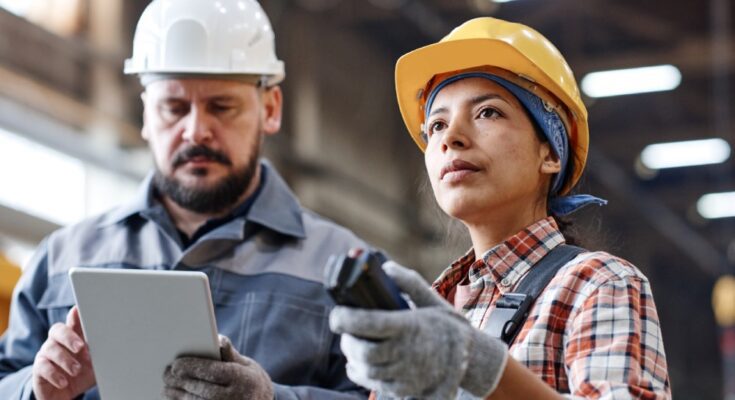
(509, 261)
(504, 265)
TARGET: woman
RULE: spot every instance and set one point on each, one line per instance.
(497, 111)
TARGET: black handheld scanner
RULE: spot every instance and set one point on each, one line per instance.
(361, 282)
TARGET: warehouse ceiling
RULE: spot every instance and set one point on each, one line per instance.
(595, 35)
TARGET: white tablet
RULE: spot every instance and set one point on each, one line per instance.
(137, 322)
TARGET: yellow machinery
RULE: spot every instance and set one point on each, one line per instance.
(9, 275)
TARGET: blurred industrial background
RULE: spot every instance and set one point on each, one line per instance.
(70, 144)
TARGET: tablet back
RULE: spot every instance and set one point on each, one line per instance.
(137, 322)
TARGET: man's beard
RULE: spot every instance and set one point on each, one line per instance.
(216, 198)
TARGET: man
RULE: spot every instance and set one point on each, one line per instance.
(210, 74)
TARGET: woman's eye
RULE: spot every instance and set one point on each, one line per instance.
(436, 126)
(489, 112)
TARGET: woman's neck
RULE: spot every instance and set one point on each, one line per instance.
(495, 228)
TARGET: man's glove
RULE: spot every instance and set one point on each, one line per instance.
(235, 377)
(426, 352)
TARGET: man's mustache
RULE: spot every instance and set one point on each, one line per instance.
(185, 155)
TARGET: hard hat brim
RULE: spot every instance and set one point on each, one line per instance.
(273, 78)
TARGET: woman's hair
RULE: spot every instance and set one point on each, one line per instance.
(566, 227)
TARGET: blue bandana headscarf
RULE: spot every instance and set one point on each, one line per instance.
(550, 124)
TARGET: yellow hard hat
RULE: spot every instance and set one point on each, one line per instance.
(518, 53)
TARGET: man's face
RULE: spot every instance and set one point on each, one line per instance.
(205, 136)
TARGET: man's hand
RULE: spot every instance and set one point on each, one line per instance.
(428, 352)
(235, 377)
(62, 369)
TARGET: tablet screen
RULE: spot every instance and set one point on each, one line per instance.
(137, 322)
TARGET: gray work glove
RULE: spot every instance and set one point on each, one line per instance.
(235, 377)
(426, 352)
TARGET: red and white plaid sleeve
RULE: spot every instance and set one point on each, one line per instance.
(613, 347)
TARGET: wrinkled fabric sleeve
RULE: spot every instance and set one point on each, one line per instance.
(283, 392)
(340, 386)
(614, 348)
(27, 330)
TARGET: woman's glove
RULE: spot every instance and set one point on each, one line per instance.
(235, 377)
(427, 352)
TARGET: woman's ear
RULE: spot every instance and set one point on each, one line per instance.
(550, 163)
(272, 110)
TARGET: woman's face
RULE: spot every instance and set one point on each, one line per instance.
(483, 156)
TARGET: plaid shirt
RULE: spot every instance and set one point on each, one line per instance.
(593, 332)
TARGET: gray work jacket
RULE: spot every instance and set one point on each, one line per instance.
(265, 272)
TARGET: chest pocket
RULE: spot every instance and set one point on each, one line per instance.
(58, 299)
(287, 334)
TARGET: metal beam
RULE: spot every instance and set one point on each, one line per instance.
(24, 227)
(59, 136)
(692, 55)
(424, 17)
(669, 225)
(632, 20)
(70, 111)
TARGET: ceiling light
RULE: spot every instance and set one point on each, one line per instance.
(717, 205)
(630, 81)
(685, 154)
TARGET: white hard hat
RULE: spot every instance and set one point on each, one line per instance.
(218, 37)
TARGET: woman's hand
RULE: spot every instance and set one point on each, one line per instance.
(429, 352)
